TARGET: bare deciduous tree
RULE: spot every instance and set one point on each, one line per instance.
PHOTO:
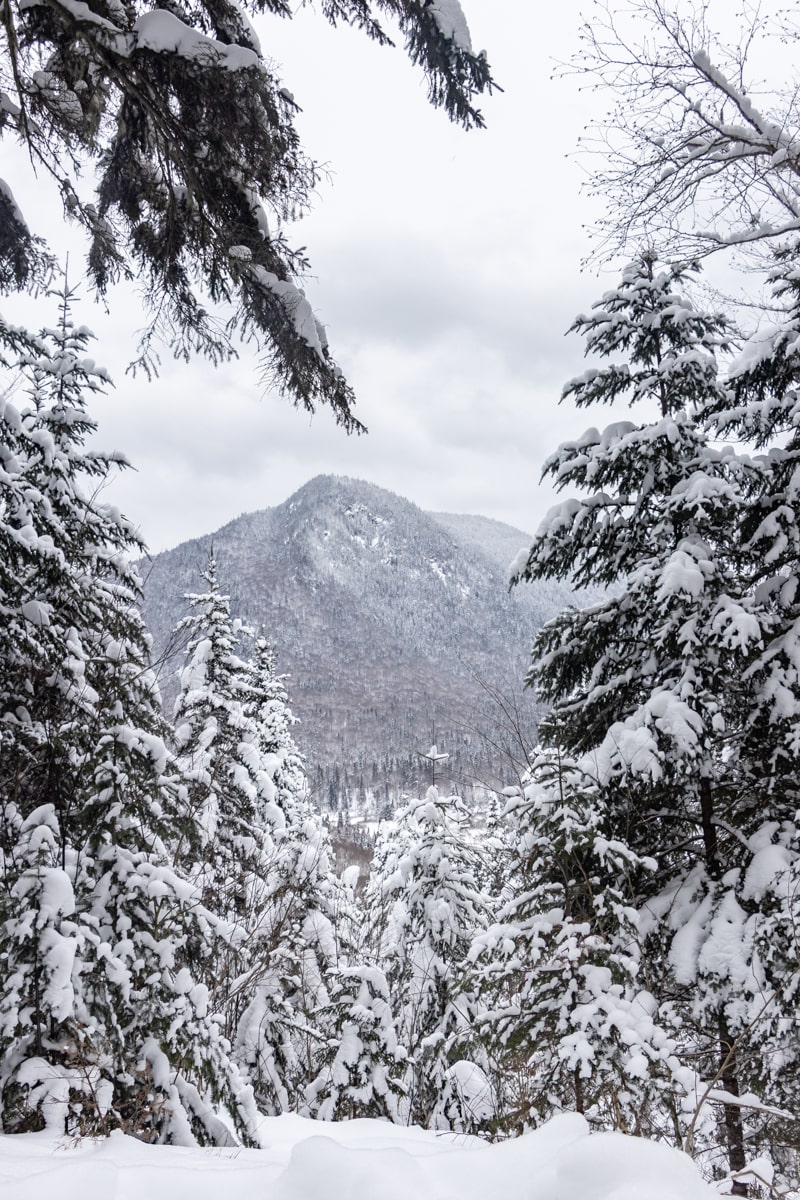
(698, 154)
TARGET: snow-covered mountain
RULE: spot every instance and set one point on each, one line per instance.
(387, 619)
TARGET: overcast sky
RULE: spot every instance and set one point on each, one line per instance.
(446, 269)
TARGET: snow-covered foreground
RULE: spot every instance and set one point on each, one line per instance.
(356, 1160)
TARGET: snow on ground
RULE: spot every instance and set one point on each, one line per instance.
(355, 1160)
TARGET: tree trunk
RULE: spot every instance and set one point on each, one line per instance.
(709, 828)
(728, 1067)
(734, 1130)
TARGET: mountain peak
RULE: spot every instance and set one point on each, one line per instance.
(387, 618)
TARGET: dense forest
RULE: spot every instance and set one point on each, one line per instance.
(178, 953)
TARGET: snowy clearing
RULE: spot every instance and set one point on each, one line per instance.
(354, 1160)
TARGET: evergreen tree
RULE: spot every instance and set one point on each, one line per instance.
(257, 855)
(426, 906)
(284, 1027)
(229, 790)
(268, 706)
(102, 1024)
(497, 848)
(193, 136)
(569, 1023)
(286, 970)
(761, 409)
(650, 687)
(362, 1065)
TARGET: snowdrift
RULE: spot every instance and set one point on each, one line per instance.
(355, 1160)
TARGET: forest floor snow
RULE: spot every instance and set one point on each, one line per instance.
(353, 1160)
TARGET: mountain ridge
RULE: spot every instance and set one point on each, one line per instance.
(387, 619)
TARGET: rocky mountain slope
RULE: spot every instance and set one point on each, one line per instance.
(388, 620)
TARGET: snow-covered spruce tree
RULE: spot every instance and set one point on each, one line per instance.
(763, 411)
(497, 846)
(362, 1065)
(198, 161)
(284, 1029)
(263, 860)
(268, 705)
(228, 790)
(101, 1022)
(761, 408)
(568, 1024)
(425, 907)
(17, 636)
(649, 687)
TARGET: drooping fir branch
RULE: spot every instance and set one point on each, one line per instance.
(198, 163)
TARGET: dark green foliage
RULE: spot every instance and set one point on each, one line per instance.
(193, 138)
